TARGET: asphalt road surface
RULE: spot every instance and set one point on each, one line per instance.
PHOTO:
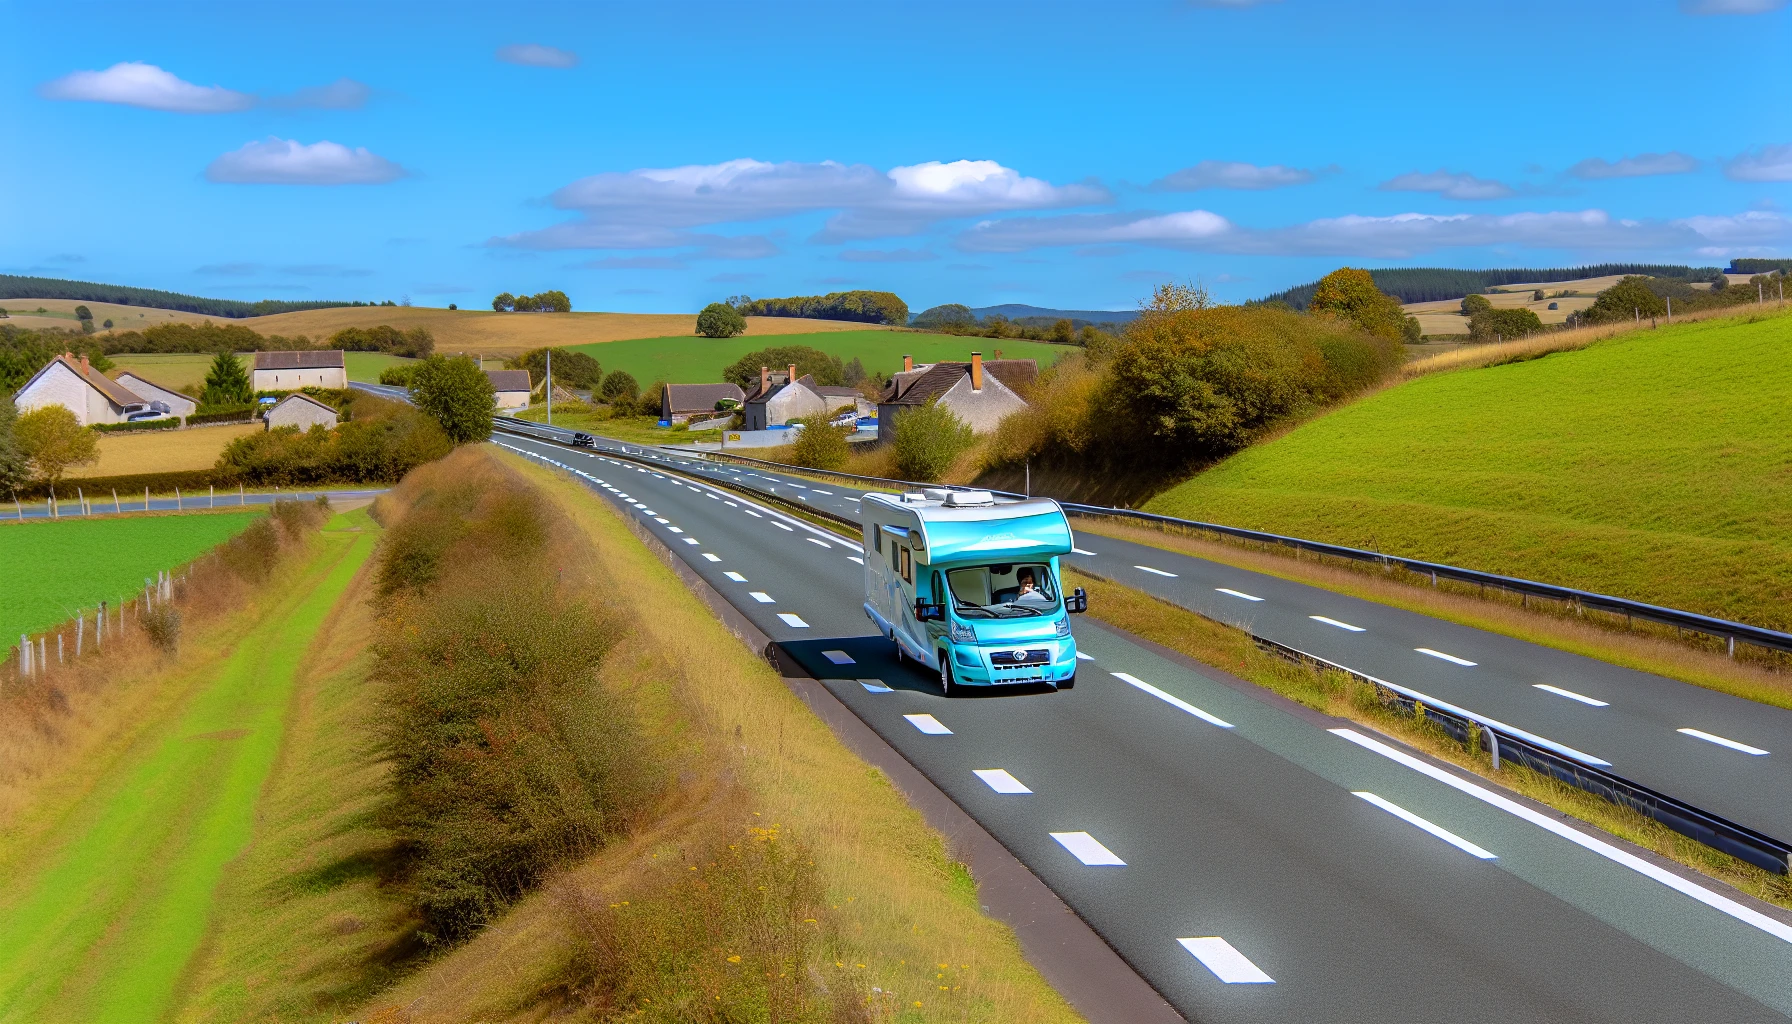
(1251, 861)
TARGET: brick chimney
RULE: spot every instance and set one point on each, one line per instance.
(86, 366)
(765, 379)
(976, 371)
(908, 363)
(790, 374)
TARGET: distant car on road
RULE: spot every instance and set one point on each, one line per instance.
(155, 411)
(584, 440)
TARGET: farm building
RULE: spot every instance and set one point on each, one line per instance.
(290, 371)
(75, 385)
(681, 403)
(178, 404)
(781, 397)
(302, 411)
(979, 392)
(512, 388)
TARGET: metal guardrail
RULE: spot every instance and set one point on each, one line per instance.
(1722, 629)
(1507, 742)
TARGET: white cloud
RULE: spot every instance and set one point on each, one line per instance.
(1639, 166)
(535, 55)
(144, 85)
(1400, 236)
(887, 255)
(342, 94)
(635, 263)
(1707, 7)
(644, 209)
(1769, 163)
(1448, 185)
(286, 162)
(1228, 174)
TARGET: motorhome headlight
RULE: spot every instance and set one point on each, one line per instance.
(961, 633)
(1064, 626)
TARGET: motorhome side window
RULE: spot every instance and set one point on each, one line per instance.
(877, 537)
(908, 564)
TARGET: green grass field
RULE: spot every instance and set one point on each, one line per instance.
(99, 922)
(1654, 466)
(54, 567)
(185, 371)
(693, 360)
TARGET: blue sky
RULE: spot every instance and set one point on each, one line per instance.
(654, 157)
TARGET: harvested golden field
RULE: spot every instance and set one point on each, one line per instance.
(475, 330)
(1444, 316)
(162, 451)
(60, 314)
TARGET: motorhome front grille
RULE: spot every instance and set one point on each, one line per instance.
(1019, 657)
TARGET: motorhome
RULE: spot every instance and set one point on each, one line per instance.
(968, 585)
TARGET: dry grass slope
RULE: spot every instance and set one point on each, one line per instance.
(162, 451)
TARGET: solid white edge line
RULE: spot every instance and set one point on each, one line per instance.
(1437, 830)
(1445, 657)
(1721, 904)
(1088, 849)
(1226, 963)
(1170, 699)
(1158, 572)
(1335, 622)
(928, 724)
(1238, 593)
(1571, 695)
(1720, 741)
(1080, 551)
(1000, 780)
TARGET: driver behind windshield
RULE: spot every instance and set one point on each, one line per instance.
(1025, 591)
(1002, 591)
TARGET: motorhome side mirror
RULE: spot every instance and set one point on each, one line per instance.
(925, 612)
(1078, 601)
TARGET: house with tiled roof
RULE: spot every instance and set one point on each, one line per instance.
(177, 403)
(290, 371)
(780, 398)
(75, 385)
(681, 403)
(301, 411)
(511, 388)
(979, 392)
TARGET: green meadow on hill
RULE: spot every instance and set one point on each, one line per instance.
(54, 567)
(1655, 466)
(694, 360)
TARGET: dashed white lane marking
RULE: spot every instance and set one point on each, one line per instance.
(857, 559)
(752, 513)
(839, 657)
(812, 540)
(999, 780)
(1158, 572)
(1335, 622)
(781, 526)
(1238, 593)
(711, 558)
(1086, 848)
(820, 491)
(735, 576)
(676, 529)
(1720, 741)
(1437, 830)
(1080, 551)
(761, 596)
(689, 540)
(730, 504)
(1080, 656)
(1226, 963)
(874, 685)
(1571, 695)
(928, 724)
(1721, 904)
(793, 621)
(1170, 699)
(1446, 657)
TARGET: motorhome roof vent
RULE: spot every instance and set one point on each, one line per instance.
(913, 497)
(936, 493)
(960, 499)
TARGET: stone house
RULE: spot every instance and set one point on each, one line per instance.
(290, 371)
(512, 387)
(979, 392)
(75, 385)
(681, 403)
(302, 411)
(780, 398)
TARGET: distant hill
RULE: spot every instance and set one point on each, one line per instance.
(1019, 312)
(1430, 284)
(13, 286)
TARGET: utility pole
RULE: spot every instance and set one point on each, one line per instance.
(549, 387)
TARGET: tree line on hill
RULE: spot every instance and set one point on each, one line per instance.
(541, 302)
(858, 306)
(1431, 284)
(960, 320)
(13, 286)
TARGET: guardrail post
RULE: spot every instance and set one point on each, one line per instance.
(1732, 647)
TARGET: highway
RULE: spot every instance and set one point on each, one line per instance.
(1252, 860)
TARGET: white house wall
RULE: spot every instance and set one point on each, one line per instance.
(307, 377)
(178, 404)
(793, 403)
(60, 385)
(981, 409)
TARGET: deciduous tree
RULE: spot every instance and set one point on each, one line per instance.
(720, 320)
(1350, 295)
(456, 394)
(52, 441)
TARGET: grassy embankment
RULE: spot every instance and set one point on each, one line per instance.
(118, 831)
(693, 360)
(1336, 694)
(53, 567)
(770, 875)
(1650, 466)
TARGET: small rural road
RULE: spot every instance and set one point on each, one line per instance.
(1252, 860)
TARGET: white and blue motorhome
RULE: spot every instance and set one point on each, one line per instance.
(969, 586)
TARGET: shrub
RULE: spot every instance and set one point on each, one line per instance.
(252, 553)
(457, 394)
(165, 423)
(14, 469)
(571, 369)
(162, 625)
(1350, 295)
(619, 387)
(720, 320)
(415, 343)
(1472, 304)
(928, 440)
(51, 440)
(820, 445)
(1626, 300)
(398, 376)
(380, 443)
(1492, 324)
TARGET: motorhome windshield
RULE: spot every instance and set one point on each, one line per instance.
(1006, 591)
